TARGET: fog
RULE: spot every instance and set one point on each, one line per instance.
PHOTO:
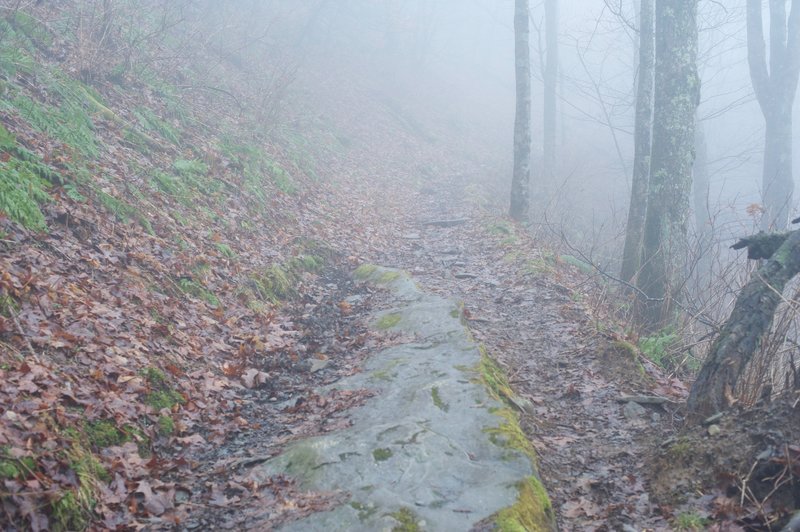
(457, 57)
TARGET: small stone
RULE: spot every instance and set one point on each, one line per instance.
(656, 417)
(713, 430)
(355, 299)
(319, 365)
(713, 419)
(181, 496)
(633, 410)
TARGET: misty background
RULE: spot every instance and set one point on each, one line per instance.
(453, 60)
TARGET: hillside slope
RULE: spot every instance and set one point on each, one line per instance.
(168, 273)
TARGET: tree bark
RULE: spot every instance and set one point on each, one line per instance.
(550, 81)
(520, 183)
(642, 143)
(677, 92)
(744, 331)
(775, 87)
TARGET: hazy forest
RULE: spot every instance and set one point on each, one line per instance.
(399, 265)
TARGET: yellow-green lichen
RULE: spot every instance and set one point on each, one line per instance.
(531, 513)
(387, 321)
(389, 276)
(533, 510)
(364, 271)
(407, 521)
(509, 434)
(493, 378)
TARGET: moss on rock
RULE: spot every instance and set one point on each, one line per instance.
(407, 521)
(364, 271)
(387, 321)
(532, 512)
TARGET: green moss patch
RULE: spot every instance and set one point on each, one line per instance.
(104, 433)
(532, 511)
(388, 277)
(364, 271)
(166, 425)
(279, 282)
(437, 400)
(161, 399)
(382, 454)
(68, 513)
(16, 468)
(365, 512)
(494, 379)
(161, 396)
(509, 434)
(387, 321)
(407, 521)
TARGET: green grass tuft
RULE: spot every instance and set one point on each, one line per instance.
(195, 289)
(152, 123)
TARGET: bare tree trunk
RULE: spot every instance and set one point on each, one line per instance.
(642, 142)
(775, 88)
(549, 98)
(677, 92)
(746, 327)
(520, 183)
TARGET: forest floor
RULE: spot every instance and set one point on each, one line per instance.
(524, 305)
(609, 458)
(177, 299)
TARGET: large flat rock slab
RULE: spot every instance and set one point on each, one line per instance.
(428, 450)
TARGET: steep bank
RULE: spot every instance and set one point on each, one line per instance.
(171, 273)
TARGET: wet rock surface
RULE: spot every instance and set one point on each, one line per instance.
(531, 319)
(422, 450)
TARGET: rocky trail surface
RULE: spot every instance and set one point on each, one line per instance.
(524, 308)
(412, 400)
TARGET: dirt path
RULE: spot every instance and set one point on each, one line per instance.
(591, 445)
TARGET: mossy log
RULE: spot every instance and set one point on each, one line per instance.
(744, 331)
(762, 245)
